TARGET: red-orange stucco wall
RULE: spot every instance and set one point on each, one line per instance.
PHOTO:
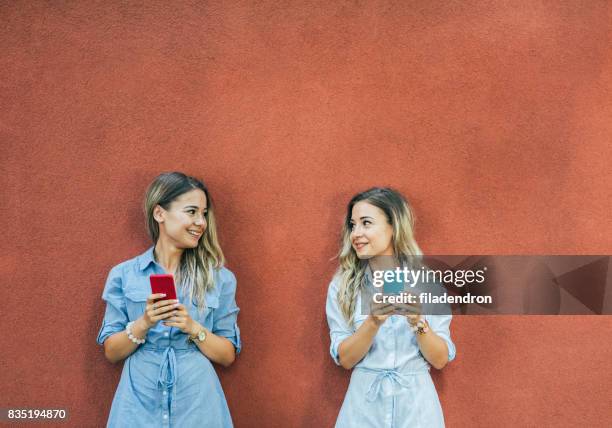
(492, 117)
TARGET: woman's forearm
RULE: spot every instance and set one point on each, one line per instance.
(119, 346)
(218, 349)
(433, 348)
(354, 348)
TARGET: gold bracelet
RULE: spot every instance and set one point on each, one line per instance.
(420, 327)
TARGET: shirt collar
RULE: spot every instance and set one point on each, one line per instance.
(145, 259)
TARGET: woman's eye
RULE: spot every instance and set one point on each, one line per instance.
(192, 212)
(367, 222)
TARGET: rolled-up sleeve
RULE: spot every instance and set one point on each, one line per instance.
(115, 317)
(225, 318)
(440, 324)
(339, 329)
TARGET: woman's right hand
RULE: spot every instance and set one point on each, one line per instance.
(158, 310)
(379, 312)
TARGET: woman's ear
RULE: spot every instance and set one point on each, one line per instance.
(158, 213)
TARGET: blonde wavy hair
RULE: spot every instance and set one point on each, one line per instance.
(195, 273)
(351, 270)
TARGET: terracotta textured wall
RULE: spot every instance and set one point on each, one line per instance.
(493, 118)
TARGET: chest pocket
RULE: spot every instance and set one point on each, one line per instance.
(206, 317)
(358, 317)
(135, 302)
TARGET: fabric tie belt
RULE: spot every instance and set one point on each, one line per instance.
(403, 379)
(167, 375)
(166, 378)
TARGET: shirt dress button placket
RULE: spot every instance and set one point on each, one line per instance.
(165, 410)
(167, 380)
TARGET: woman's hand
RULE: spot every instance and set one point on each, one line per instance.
(183, 321)
(379, 312)
(412, 311)
(156, 311)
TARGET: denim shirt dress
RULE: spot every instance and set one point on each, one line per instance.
(391, 386)
(167, 381)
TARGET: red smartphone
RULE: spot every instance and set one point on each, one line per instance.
(163, 283)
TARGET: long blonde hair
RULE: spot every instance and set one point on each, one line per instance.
(195, 273)
(351, 271)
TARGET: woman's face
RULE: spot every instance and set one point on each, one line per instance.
(184, 222)
(371, 233)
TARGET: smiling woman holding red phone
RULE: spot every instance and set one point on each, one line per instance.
(169, 344)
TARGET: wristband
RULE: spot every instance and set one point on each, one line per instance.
(420, 327)
(128, 330)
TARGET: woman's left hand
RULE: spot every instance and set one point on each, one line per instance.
(183, 321)
(412, 311)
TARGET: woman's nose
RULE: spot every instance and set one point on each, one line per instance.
(200, 220)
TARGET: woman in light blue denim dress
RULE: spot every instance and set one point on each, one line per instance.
(390, 354)
(168, 379)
